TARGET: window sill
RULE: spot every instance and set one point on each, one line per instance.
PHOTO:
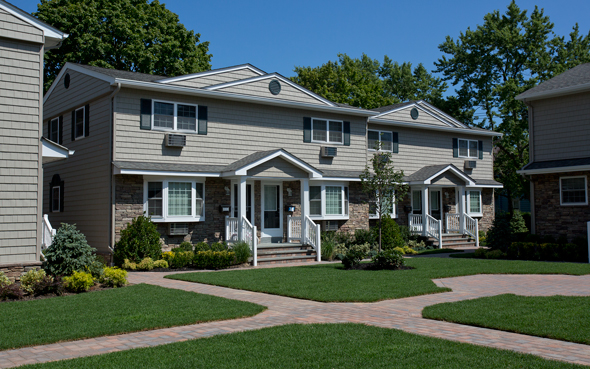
(475, 214)
(178, 220)
(575, 204)
(327, 143)
(392, 216)
(172, 130)
(329, 217)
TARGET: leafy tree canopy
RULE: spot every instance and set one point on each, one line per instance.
(369, 84)
(132, 35)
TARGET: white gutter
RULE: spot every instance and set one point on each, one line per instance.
(574, 168)
(436, 128)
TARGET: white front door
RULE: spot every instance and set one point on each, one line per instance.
(272, 216)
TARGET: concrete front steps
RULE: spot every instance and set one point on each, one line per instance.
(282, 253)
(455, 241)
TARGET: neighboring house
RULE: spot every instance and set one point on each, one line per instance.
(23, 42)
(210, 156)
(559, 153)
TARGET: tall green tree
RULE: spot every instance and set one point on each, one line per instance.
(506, 55)
(133, 35)
(367, 83)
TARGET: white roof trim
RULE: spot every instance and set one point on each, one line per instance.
(48, 31)
(554, 93)
(163, 173)
(243, 171)
(456, 171)
(267, 76)
(342, 179)
(434, 128)
(575, 168)
(52, 151)
(437, 111)
(213, 72)
(486, 186)
(77, 68)
(430, 110)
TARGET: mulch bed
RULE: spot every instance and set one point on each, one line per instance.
(192, 269)
(98, 287)
(372, 266)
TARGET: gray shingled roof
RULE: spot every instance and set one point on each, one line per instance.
(424, 173)
(199, 168)
(249, 159)
(557, 163)
(383, 109)
(579, 75)
(135, 76)
(487, 182)
(342, 173)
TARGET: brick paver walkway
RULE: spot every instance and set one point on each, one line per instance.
(403, 314)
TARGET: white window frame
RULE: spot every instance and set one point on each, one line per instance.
(165, 218)
(76, 137)
(393, 213)
(468, 153)
(53, 210)
(50, 131)
(345, 201)
(379, 132)
(573, 203)
(175, 117)
(341, 142)
(468, 203)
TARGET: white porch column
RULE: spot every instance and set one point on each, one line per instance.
(424, 210)
(241, 205)
(462, 210)
(304, 207)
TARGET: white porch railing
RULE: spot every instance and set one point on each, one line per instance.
(313, 236)
(453, 223)
(427, 226)
(293, 228)
(471, 228)
(47, 234)
(415, 223)
(231, 229)
(464, 225)
(250, 236)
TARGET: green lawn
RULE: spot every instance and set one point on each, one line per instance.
(93, 314)
(564, 318)
(469, 255)
(330, 282)
(437, 251)
(314, 346)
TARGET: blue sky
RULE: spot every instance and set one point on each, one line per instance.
(278, 35)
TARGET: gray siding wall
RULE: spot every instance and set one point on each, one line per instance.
(217, 78)
(260, 89)
(20, 91)
(403, 115)
(86, 176)
(560, 127)
(14, 28)
(277, 167)
(419, 148)
(82, 89)
(235, 129)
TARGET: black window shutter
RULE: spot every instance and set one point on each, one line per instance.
(346, 133)
(87, 120)
(73, 125)
(61, 196)
(203, 117)
(60, 130)
(395, 143)
(480, 149)
(455, 148)
(145, 120)
(306, 129)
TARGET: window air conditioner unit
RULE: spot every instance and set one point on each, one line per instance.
(470, 164)
(330, 225)
(177, 229)
(329, 152)
(173, 140)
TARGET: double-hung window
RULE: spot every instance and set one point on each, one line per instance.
(171, 200)
(329, 201)
(573, 190)
(388, 203)
(79, 124)
(329, 131)
(468, 148)
(54, 130)
(473, 202)
(55, 199)
(174, 116)
(381, 139)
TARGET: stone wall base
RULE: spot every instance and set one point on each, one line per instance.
(16, 270)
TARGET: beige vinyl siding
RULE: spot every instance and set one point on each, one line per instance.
(260, 89)
(420, 147)
(403, 115)
(279, 168)
(560, 127)
(235, 130)
(448, 179)
(82, 89)
(20, 91)
(86, 176)
(17, 29)
(218, 78)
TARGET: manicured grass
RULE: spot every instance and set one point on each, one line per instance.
(564, 318)
(330, 282)
(93, 314)
(314, 346)
(469, 255)
(438, 251)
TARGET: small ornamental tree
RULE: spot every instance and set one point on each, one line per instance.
(138, 241)
(383, 184)
(68, 252)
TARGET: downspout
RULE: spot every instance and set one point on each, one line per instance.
(112, 158)
(531, 159)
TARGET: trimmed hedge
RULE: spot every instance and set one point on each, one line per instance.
(548, 251)
(213, 259)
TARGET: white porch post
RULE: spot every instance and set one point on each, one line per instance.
(241, 206)
(304, 208)
(462, 210)
(424, 211)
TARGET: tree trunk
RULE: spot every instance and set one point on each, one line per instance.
(379, 231)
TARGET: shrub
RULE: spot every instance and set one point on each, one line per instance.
(186, 246)
(482, 238)
(390, 234)
(146, 264)
(129, 265)
(114, 277)
(495, 254)
(30, 279)
(178, 259)
(11, 292)
(362, 236)
(202, 246)
(213, 259)
(548, 251)
(48, 284)
(409, 251)
(339, 251)
(242, 251)
(140, 239)
(505, 230)
(344, 237)
(328, 251)
(354, 255)
(4, 281)
(388, 259)
(160, 264)
(218, 246)
(68, 252)
(406, 234)
(79, 281)
(95, 268)
(417, 246)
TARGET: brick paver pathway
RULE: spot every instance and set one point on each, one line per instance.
(403, 314)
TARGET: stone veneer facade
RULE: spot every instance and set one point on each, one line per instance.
(16, 270)
(552, 218)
